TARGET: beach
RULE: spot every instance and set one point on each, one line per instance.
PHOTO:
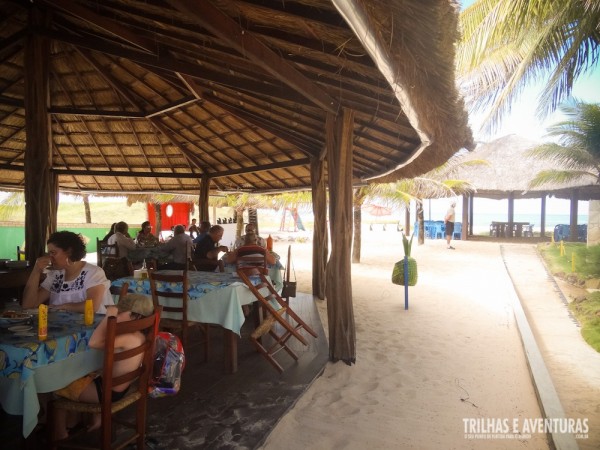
(449, 372)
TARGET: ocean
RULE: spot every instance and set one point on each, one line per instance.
(482, 221)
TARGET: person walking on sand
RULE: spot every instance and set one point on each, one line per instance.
(449, 222)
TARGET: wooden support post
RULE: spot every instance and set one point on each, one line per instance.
(203, 198)
(338, 288)
(38, 155)
(320, 240)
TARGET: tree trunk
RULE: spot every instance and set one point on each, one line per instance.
(239, 217)
(593, 231)
(158, 218)
(421, 222)
(86, 207)
(359, 199)
(356, 242)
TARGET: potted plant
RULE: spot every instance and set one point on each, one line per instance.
(405, 269)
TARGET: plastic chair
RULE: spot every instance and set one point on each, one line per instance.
(279, 320)
(138, 394)
(178, 304)
(457, 234)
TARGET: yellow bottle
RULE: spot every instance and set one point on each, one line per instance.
(42, 322)
(88, 316)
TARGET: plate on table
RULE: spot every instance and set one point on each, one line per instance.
(14, 317)
(19, 328)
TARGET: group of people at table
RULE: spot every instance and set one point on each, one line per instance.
(64, 281)
(201, 245)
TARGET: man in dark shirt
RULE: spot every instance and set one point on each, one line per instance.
(202, 231)
(206, 255)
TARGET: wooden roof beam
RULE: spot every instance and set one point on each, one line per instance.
(218, 23)
(187, 175)
(105, 24)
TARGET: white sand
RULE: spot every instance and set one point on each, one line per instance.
(455, 354)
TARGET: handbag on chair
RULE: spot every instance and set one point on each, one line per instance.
(289, 287)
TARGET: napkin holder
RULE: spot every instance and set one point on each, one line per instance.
(140, 274)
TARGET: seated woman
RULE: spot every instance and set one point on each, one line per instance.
(69, 281)
(145, 238)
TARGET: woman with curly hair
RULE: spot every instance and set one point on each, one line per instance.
(70, 281)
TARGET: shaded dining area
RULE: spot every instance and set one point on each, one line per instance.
(205, 98)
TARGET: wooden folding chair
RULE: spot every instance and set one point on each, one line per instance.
(178, 303)
(138, 391)
(279, 320)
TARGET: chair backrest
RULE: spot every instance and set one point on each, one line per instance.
(251, 256)
(177, 301)
(104, 250)
(141, 373)
(120, 291)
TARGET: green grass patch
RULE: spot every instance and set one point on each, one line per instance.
(587, 265)
(587, 312)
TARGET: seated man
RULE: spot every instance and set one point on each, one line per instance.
(180, 247)
(122, 239)
(202, 231)
(250, 228)
(206, 255)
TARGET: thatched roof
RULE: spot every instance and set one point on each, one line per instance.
(511, 169)
(235, 90)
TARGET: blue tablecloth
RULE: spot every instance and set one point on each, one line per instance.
(274, 272)
(29, 366)
(214, 297)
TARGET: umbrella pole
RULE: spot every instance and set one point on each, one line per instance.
(405, 282)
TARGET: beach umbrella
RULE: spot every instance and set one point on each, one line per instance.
(377, 210)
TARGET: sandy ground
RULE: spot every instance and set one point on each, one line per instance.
(454, 356)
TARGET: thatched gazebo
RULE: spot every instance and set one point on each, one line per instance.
(508, 174)
(186, 96)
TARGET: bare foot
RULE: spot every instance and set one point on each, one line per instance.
(95, 422)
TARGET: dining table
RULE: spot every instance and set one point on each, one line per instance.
(213, 297)
(29, 366)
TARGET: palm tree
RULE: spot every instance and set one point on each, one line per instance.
(577, 151)
(507, 44)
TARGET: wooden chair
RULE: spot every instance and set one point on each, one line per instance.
(104, 250)
(138, 391)
(179, 305)
(279, 320)
(120, 291)
(251, 256)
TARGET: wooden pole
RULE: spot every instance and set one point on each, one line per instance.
(320, 240)
(38, 155)
(203, 199)
(573, 233)
(338, 287)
